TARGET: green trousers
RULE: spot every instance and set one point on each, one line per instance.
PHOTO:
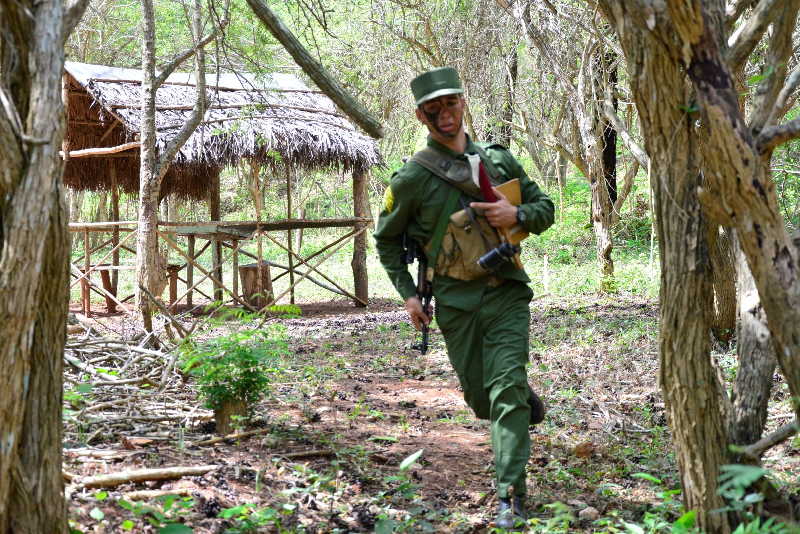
(488, 348)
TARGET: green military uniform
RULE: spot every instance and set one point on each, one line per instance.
(485, 322)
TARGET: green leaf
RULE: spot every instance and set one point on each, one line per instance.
(409, 461)
(686, 521)
(390, 439)
(97, 514)
(232, 512)
(101, 495)
(83, 388)
(648, 477)
(127, 524)
(385, 526)
(175, 528)
(739, 476)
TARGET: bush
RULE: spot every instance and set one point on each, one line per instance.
(238, 367)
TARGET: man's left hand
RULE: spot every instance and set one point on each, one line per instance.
(500, 214)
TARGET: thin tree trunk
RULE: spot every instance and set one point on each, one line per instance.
(153, 167)
(724, 269)
(757, 360)
(149, 185)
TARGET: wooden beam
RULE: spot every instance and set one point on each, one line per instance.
(222, 88)
(104, 151)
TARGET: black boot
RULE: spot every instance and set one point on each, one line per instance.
(537, 407)
(511, 514)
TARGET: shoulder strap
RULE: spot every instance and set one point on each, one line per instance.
(455, 172)
(435, 244)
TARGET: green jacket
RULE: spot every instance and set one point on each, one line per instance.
(413, 203)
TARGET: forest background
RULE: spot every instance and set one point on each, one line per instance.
(558, 82)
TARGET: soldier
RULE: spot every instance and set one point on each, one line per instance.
(440, 198)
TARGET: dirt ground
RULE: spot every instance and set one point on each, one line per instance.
(357, 400)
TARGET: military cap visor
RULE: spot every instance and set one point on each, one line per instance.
(436, 83)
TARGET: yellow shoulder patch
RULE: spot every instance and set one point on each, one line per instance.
(388, 199)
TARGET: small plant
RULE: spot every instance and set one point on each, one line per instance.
(234, 371)
(166, 519)
(249, 519)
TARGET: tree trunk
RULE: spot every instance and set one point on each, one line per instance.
(153, 167)
(757, 361)
(33, 267)
(149, 185)
(724, 269)
(609, 71)
(507, 114)
(692, 393)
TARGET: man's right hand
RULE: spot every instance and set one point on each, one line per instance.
(415, 312)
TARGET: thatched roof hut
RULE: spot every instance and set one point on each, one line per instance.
(271, 119)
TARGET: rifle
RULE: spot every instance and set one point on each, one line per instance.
(412, 251)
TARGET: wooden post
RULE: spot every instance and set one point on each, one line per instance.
(359, 263)
(260, 260)
(190, 272)
(214, 211)
(105, 279)
(172, 273)
(289, 232)
(112, 170)
(87, 264)
(235, 268)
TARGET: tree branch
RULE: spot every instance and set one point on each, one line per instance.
(782, 434)
(777, 58)
(199, 111)
(636, 149)
(735, 10)
(627, 186)
(186, 54)
(316, 71)
(779, 108)
(745, 39)
(72, 17)
(777, 135)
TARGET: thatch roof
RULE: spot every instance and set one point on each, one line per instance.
(272, 119)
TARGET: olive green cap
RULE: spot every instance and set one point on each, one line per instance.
(436, 83)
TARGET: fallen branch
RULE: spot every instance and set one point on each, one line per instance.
(782, 434)
(238, 435)
(146, 495)
(143, 475)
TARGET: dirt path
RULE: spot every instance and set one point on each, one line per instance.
(358, 400)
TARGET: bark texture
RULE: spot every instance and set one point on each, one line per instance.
(33, 266)
(692, 392)
(724, 269)
(153, 166)
(757, 361)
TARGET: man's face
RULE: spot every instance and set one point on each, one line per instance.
(443, 116)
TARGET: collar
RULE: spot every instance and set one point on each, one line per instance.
(436, 145)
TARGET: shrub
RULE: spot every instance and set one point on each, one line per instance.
(238, 367)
